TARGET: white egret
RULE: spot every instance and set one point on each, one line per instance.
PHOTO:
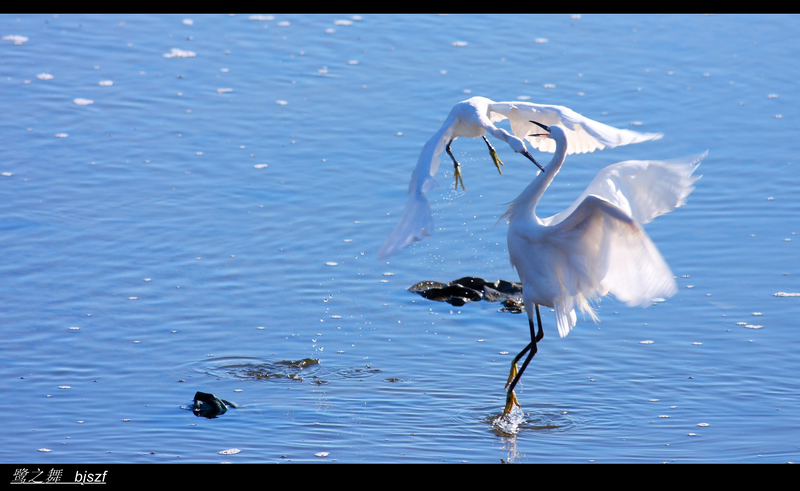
(475, 117)
(597, 245)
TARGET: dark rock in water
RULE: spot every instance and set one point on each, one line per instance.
(508, 287)
(473, 289)
(456, 301)
(209, 406)
(451, 292)
(463, 292)
(426, 285)
(514, 305)
(470, 282)
(492, 295)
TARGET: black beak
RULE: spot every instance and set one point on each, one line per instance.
(540, 125)
(530, 157)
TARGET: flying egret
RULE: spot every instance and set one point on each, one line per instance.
(475, 117)
(597, 245)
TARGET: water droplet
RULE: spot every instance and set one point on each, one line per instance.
(178, 53)
(16, 39)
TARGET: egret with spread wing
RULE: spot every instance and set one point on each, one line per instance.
(597, 245)
(474, 118)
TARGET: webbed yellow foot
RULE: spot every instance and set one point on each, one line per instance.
(459, 179)
(497, 161)
(511, 401)
(514, 370)
(495, 158)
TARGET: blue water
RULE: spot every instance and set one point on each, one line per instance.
(173, 224)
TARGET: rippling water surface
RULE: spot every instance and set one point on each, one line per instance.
(195, 203)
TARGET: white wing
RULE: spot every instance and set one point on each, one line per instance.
(644, 189)
(601, 245)
(583, 134)
(601, 249)
(417, 219)
(468, 118)
(415, 224)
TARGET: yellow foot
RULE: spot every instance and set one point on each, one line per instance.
(511, 401)
(497, 161)
(514, 370)
(457, 174)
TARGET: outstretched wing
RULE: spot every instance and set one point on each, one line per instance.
(599, 249)
(601, 246)
(416, 222)
(644, 189)
(583, 134)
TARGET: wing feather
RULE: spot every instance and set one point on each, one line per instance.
(603, 250)
(644, 189)
(583, 134)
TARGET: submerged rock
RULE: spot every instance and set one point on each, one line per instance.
(472, 289)
(513, 305)
(426, 285)
(209, 406)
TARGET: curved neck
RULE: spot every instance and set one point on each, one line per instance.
(526, 202)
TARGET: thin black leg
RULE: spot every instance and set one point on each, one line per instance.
(450, 153)
(456, 166)
(521, 353)
(491, 148)
(538, 336)
(532, 346)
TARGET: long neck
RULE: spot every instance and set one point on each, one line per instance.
(526, 202)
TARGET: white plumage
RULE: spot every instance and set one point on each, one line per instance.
(474, 118)
(596, 246)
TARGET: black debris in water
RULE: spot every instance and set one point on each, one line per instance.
(209, 406)
(472, 289)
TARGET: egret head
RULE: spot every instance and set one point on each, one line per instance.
(546, 129)
(554, 132)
